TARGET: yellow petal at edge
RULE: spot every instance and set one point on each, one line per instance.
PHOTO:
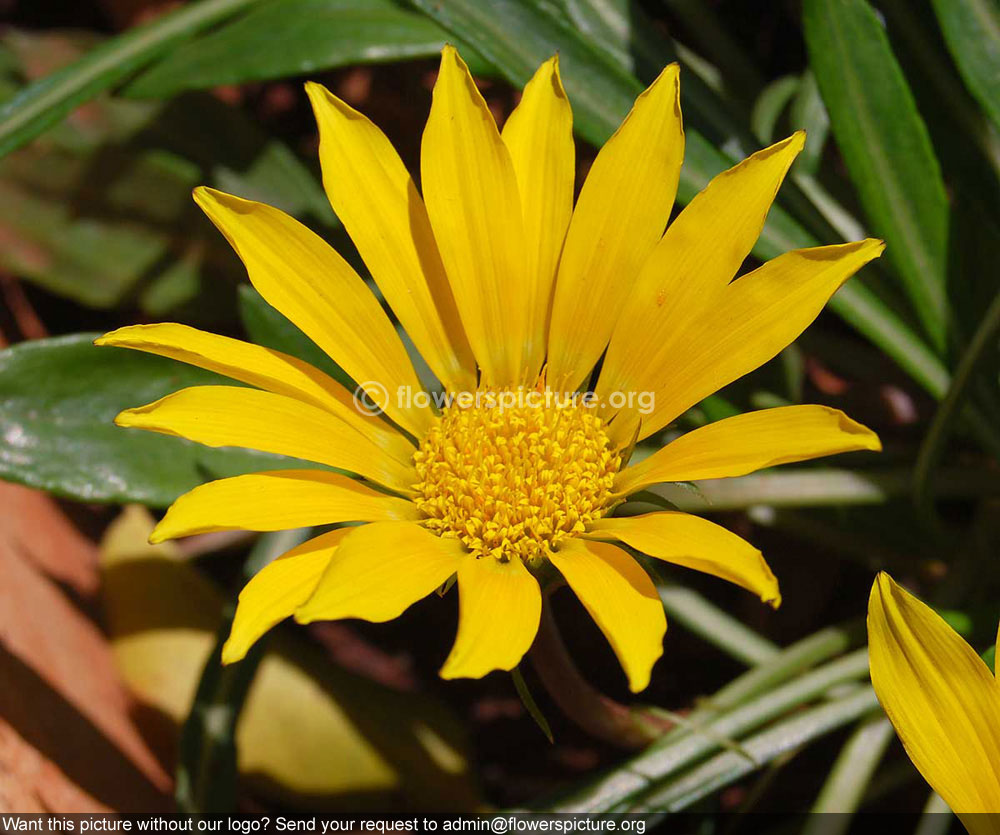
(741, 444)
(377, 201)
(621, 599)
(257, 366)
(621, 213)
(942, 699)
(277, 590)
(701, 251)
(278, 500)
(695, 543)
(301, 276)
(756, 317)
(380, 570)
(242, 417)
(499, 608)
(539, 136)
(471, 195)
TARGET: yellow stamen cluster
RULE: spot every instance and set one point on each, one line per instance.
(513, 482)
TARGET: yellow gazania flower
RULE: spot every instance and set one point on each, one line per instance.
(500, 283)
(942, 699)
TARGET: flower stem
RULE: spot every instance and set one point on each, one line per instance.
(594, 712)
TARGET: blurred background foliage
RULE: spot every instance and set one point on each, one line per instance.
(112, 110)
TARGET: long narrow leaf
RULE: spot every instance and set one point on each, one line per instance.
(46, 101)
(847, 781)
(816, 487)
(627, 784)
(280, 38)
(972, 31)
(784, 737)
(886, 147)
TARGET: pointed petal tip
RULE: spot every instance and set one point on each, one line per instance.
(326, 103)
(159, 534)
(231, 653)
(638, 679)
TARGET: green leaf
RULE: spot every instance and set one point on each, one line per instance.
(771, 104)
(647, 772)
(887, 149)
(719, 628)
(281, 38)
(58, 401)
(818, 486)
(809, 113)
(103, 214)
(728, 767)
(46, 101)
(517, 36)
(972, 31)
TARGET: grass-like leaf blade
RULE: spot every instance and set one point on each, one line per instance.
(971, 29)
(886, 147)
(281, 38)
(46, 101)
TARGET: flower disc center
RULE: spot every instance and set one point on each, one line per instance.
(512, 481)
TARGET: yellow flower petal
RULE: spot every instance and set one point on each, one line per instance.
(380, 570)
(301, 276)
(744, 443)
(472, 199)
(376, 199)
(230, 416)
(277, 590)
(621, 599)
(539, 136)
(278, 500)
(942, 699)
(499, 608)
(621, 213)
(695, 543)
(257, 366)
(690, 267)
(755, 317)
